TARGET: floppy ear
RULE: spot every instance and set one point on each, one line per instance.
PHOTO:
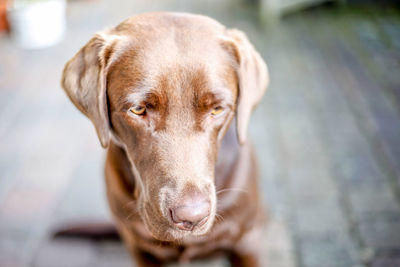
(84, 81)
(253, 78)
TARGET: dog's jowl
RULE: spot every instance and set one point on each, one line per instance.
(170, 96)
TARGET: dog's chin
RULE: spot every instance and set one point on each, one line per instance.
(169, 233)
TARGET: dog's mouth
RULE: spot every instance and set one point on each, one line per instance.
(186, 225)
(165, 228)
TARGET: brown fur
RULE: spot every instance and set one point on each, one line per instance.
(180, 67)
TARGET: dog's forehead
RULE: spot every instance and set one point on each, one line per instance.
(160, 36)
(177, 40)
(172, 53)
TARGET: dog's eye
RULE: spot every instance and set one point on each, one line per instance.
(138, 110)
(216, 110)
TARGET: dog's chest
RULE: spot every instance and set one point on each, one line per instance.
(220, 240)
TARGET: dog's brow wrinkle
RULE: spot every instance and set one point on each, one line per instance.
(137, 96)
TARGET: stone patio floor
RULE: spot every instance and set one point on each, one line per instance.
(327, 134)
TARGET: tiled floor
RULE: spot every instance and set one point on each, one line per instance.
(327, 134)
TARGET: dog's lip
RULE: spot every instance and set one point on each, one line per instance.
(203, 221)
(183, 226)
(174, 234)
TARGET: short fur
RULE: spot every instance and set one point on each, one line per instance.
(179, 67)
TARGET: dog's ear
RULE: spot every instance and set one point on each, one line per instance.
(252, 74)
(84, 81)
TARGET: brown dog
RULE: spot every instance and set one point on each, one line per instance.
(162, 90)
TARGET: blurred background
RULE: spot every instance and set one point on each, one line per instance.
(327, 132)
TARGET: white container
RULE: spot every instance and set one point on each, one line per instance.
(37, 23)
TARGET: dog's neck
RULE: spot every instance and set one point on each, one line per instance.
(227, 155)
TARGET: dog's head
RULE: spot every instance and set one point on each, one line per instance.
(165, 87)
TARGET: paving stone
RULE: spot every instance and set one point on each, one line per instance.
(278, 244)
(88, 200)
(329, 251)
(211, 263)
(380, 232)
(12, 250)
(71, 253)
(367, 199)
(386, 262)
(112, 254)
(323, 217)
(114, 262)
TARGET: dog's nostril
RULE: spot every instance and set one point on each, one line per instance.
(191, 214)
(186, 225)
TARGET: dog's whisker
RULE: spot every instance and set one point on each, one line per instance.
(231, 189)
(129, 216)
(219, 217)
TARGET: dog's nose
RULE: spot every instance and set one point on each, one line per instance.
(191, 212)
